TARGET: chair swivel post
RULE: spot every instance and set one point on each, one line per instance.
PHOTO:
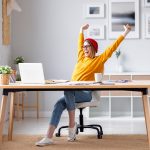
(81, 120)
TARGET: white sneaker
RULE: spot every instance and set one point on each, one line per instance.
(45, 141)
(72, 133)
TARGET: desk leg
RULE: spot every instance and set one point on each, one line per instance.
(37, 103)
(11, 117)
(2, 115)
(147, 115)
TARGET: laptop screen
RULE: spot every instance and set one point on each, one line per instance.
(31, 73)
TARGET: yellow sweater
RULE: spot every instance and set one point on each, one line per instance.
(86, 67)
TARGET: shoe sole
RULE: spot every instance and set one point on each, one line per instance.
(72, 140)
(41, 145)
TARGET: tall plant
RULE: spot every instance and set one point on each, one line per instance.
(117, 53)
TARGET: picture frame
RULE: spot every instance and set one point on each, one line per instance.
(147, 26)
(95, 10)
(96, 32)
(147, 3)
(122, 12)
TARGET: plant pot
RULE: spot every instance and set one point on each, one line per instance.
(13, 76)
(120, 68)
(18, 78)
(119, 65)
(4, 79)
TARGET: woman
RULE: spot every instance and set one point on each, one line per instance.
(87, 65)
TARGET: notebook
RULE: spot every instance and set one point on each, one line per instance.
(31, 73)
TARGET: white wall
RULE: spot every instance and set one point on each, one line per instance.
(5, 51)
(5, 59)
(46, 31)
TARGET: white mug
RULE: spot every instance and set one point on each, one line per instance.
(98, 77)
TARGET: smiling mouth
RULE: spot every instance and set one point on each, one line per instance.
(86, 52)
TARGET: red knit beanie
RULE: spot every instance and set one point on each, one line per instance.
(93, 42)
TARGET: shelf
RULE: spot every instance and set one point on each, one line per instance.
(140, 96)
(137, 107)
(127, 73)
(117, 96)
(121, 118)
(117, 116)
(120, 96)
(120, 105)
(101, 110)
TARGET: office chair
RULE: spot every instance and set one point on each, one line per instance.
(94, 102)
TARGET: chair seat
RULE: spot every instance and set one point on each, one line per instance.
(87, 104)
(93, 103)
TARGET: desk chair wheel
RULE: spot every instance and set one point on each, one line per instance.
(99, 136)
(57, 134)
(77, 131)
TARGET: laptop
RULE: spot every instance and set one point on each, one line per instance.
(31, 73)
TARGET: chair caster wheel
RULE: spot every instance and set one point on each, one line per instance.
(57, 134)
(77, 132)
(99, 136)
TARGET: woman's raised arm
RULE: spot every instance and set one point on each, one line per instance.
(127, 29)
(84, 27)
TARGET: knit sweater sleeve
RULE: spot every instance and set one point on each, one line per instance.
(110, 49)
(80, 46)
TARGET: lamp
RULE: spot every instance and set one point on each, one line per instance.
(12, 5)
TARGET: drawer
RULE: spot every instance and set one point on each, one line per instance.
(120, 77)
(141, 77)
(105, 93)
(120, 93)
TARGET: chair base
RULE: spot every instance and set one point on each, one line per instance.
(81, 126)
(97, 127)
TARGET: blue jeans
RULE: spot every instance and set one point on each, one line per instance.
(68, 102)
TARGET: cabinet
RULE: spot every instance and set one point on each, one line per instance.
(120, 104)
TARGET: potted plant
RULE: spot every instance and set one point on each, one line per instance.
(118, 55)
(5, 72)
(18, 59)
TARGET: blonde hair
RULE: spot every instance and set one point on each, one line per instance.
(93, 51)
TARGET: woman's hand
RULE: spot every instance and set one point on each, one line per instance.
(127, 29)
(84, 27)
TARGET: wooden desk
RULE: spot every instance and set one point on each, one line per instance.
(139, 86)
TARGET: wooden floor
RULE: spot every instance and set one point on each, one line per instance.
(83, 142)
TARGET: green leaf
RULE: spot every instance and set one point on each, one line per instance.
(5, 70)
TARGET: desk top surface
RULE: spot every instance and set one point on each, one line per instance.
(80, 85)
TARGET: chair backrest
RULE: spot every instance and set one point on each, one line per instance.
(96, 96)
(93, 103)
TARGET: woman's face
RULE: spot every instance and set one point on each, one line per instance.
(87, 49)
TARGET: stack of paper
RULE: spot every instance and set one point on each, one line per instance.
(55, 81)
